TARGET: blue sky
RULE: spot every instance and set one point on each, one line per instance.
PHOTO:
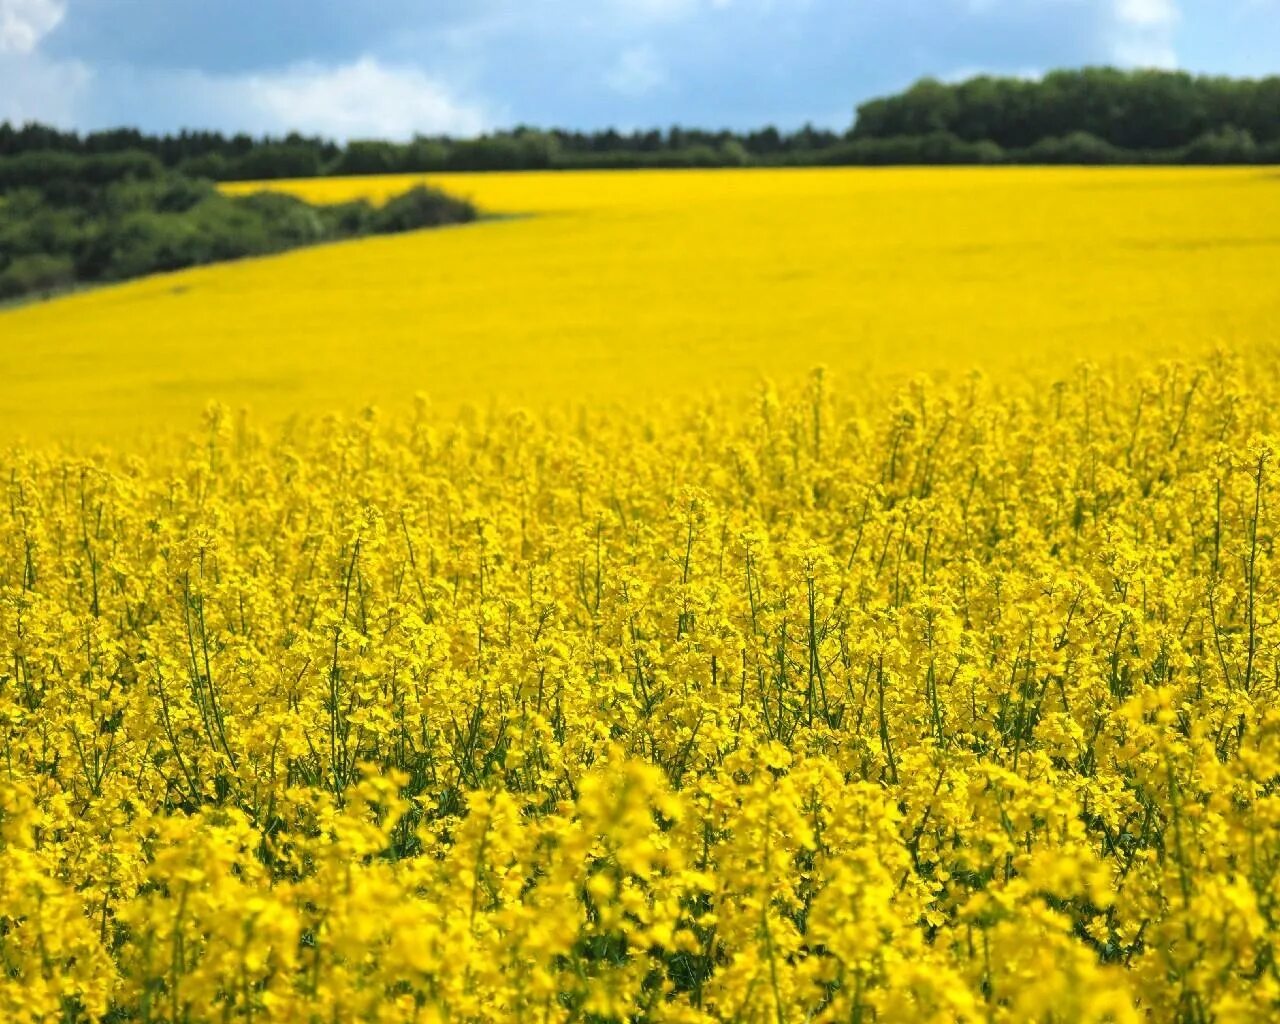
(363, 68)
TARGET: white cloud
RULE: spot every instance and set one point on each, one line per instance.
(362, 98)
(637, 72)
(365, 98)
(1147, 13)
(1142, 33)
(37, 89)
(23, 23)
(1139, 52)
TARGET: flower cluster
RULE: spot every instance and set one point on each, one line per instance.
(932, 703)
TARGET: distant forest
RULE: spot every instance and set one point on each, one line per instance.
(1089, 116)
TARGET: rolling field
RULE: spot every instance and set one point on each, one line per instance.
(638, 691)
(622, 286)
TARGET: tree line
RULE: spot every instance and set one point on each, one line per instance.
(1130, 110)
(1093, 115)
(74, 218)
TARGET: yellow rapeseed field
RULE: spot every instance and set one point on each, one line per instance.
(943, 704)
(622, 285)
(939, 685)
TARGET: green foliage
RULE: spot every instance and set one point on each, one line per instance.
(934, 148)
(1229, 145)
(285, 218)
(70, 219)
(370, 158)
(1129, 110)
(35, 273)
(1074, 148)
(214, 166)
(44, 168)
(1092, 115)
(420, 208)
(28, 227)
(521, 150)
(277, 160)
(349, 220)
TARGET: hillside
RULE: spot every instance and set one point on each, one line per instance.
(627, 287)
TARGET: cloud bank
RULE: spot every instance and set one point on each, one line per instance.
(460, 66)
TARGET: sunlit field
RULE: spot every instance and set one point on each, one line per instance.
(588, 679)
(946, 704)
(622, 286)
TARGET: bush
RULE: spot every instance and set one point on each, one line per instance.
(734, 154)
(213, 166)
(934, 148)
(108, 221)
(177, 195)
(38, 272)
(131, 165)
(230, 229)
(55, 232)
(532, 151)
(421, 207)
(945, 148)
(285, 218)
(1226, 146)
(349, 220)
(276, 160)
(369, 158)
(1076, 148)
(36, 169)
(138, 244)
(425, 155)
(44, 169)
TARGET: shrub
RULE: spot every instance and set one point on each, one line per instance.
(421, 207)
(37, 272)
(425, 155)
(55, 232)
(276, 160)
(141, 243)
(103, 219)
(369, 158)
(214, 166)
(285, 218)
(178, 195)
(934, 148)
(348, 220)
(1076, 148)
(1228, 145)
